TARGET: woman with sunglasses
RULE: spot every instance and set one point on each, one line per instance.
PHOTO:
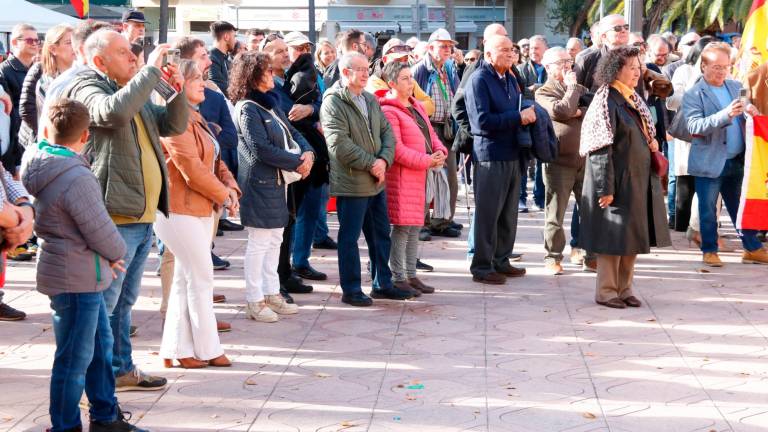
(57, 56)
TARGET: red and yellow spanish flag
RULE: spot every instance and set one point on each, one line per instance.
(753, 50)
(753, 209)
(81, 7)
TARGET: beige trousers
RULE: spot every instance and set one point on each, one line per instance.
(614, 276)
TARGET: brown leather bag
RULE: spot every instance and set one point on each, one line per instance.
(658, 84)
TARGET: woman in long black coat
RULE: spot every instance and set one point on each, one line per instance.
(622, 204)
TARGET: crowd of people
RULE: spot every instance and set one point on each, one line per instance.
(115, 146)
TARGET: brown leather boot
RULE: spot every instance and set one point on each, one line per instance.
(405, 286)
(420, 286)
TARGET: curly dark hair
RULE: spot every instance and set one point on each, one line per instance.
(248, 69)
(610, 63)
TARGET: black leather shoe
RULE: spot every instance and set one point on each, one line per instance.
(632, 301)
(456, 226)
(391, 294)
(227, 225)
(511, 271)
(420, 265)
(445, 232)
(327, 243)
(294, 285)
(286, 295)
(359, 300)
(424, 235)
(309, 273)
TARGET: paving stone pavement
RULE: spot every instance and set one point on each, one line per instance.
(536, 354)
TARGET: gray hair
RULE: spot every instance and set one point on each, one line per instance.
(345, 62)
(655, 40)
(370, 40)
(98, 42)
(18, 29)
(604, 23)
(537, 38)
(552, 55)
(574, 40)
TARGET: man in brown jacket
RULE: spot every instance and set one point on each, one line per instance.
(561, 97)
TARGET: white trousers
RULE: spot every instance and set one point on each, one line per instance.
(262, 256)
(190, 323)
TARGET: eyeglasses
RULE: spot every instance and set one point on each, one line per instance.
(470, 59)
(718, 68)
(619, 28)
(639, 44)
(563, 63)
(359, 69)
(30, 41)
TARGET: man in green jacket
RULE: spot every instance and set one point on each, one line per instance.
(128, 161)
(361, 146)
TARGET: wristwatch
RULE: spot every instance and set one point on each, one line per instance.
(26, 204)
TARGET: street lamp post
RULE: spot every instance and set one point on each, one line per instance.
(312, 21)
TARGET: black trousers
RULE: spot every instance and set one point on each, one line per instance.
(296, 193)
(683, 200)
(497, 191)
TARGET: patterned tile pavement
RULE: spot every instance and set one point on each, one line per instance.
(533, 355)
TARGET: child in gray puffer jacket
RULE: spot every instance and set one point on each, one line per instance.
(80, 252)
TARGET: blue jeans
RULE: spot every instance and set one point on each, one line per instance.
(729, 186)
(306, 224)
(369, 215)
(123, 292)
(538, 186)
(672, 185)
(575, 222)
(321, 231)
(83, 360)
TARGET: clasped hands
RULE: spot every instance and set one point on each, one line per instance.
(308, 159)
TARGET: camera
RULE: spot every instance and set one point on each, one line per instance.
(172, 56)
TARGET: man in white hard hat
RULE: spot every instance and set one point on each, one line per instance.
(436, 74)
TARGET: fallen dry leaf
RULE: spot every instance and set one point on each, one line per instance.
(410, 397)
(703, 270)
(250, 382)
(588, 415)
(322, 375)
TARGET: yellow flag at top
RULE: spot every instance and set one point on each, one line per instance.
(754, 41)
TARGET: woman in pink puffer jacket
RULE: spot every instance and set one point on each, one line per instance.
(418, 149)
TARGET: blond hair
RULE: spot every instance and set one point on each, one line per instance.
(53, 37)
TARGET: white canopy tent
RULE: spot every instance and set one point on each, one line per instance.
(18, 11)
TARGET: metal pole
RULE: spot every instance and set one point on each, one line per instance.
(418, 19)
(163, 30)
(312, 35)
(633, 13)
(602, 9)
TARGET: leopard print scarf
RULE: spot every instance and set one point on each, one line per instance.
(596, 130)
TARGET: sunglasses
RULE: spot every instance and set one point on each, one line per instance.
(619, 28)
(639, 44)
(470, 59)
(30, 41)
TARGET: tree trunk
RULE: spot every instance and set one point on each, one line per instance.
(580, 18)
(655, 16)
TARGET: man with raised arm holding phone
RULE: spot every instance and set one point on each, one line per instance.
(129, 164)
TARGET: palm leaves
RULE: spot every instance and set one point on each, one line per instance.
(699, 15)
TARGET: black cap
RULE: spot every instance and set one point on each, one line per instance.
(133, 15)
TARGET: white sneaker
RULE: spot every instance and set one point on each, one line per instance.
(278, 304)
(259, 311)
